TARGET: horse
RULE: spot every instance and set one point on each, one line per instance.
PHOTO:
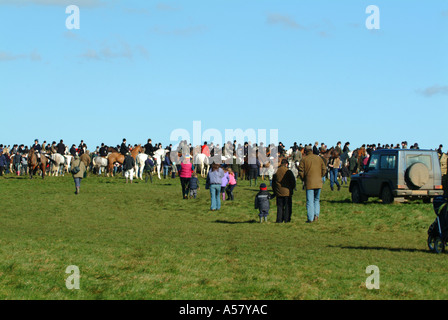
(58, 163)
(33, 163)
(100, 163)
(159, 156)
(203, 163)
(68, 163)
(118, 157)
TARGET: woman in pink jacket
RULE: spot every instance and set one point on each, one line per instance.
(185, 173)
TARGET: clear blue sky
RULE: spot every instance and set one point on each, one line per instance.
(141, 69)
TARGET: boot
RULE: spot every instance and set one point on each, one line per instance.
(265, 219)
(261, 219)
(77, 190)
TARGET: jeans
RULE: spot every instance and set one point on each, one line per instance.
(229, 191)
(215, 190)
(185, 182)
(334, 177)
(166, 170)
(284, 209)
(313, 203)
(78, 182)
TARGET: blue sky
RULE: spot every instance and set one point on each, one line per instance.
(141, 69)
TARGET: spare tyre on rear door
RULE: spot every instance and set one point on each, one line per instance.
(417, 175)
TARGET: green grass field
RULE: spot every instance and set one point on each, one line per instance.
(142, 241)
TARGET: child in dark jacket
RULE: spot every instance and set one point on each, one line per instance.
(194, 185)
(262, 202)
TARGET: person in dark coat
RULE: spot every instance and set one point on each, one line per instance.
(262, 202)
(283, 184)
(124, 149)
(149, 149)
(73, 150)
(103, 151)
(3, 163)
(128, 167)
(60, 148)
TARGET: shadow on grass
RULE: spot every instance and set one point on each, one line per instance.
(380, 249)
(235, 222)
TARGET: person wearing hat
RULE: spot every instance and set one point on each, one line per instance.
(128, 167)
(77, 170)
(123, 148)
(262, 202)
(311, 170)
(283, 184)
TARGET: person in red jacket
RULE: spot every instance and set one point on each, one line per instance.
(205, 149)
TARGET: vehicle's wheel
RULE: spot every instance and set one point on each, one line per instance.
(386, 195)
(357, 196)
(431, 242)
(439, 245)
(427, 200)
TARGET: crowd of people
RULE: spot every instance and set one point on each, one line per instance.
(313, 164)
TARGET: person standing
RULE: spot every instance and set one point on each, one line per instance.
(311, 170)
(3, 163)
(333, 165)
(194, 186)
(128, 167)
(186, 170)
(213, 183)
(149, 169)
(283, 185)
(77, 170)
(232, 184)
(316, 148)
(262, 202)
(444, 169)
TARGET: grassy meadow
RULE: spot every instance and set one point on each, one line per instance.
(143, 241)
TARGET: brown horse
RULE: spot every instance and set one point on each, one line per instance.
(33, 164)
(118, 157)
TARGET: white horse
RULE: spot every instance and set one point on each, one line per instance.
(68, 162)
(100, 163)
(159, 156)
(58, 164)
(140, 165)
(203, 162)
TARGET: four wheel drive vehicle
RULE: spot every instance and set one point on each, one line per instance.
(394, 174)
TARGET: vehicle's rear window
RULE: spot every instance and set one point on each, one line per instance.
(414, 158)
(388, 162)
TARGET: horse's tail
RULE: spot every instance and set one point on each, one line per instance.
(51, 160)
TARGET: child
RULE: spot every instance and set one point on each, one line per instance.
(262, 202)
(345, 172)
(148, 169)
(225, 181)
(194, 185)
(232, 184)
